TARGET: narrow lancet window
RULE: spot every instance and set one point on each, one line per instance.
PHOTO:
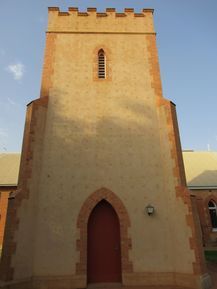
(101, 64)
(213, 214)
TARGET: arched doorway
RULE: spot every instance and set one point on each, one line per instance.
(103, 245)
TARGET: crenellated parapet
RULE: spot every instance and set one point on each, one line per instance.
(110, 21)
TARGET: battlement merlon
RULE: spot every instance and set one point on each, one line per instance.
(91, 21)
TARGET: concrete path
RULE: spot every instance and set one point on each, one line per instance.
(118, 286)
(212, 269)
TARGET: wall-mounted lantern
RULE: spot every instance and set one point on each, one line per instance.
(149, 210)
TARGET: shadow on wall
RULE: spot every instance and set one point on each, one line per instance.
(89, 147)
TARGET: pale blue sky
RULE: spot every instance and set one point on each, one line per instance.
(187, 45)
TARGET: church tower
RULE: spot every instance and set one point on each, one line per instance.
(102, 197)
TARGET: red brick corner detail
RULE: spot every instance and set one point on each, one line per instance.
(22, 192)
(82, 221)
(154, 67)
(182, 191)
(48, 65)
(25, 174)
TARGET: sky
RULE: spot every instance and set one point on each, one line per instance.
(187, 47)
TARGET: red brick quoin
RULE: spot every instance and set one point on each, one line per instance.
(82, 221)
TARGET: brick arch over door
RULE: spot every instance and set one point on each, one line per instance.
(82, 221)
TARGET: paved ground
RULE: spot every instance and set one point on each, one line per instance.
(133, 287)
(212, 268)
(138, 287)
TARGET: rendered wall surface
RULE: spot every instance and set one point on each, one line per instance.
(118, 134)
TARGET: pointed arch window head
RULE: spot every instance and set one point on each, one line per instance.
(101, 64)
(213, 214)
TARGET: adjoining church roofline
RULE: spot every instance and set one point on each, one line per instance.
(91, 10)
(9, 169)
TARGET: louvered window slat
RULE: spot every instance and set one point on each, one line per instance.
(101, 64)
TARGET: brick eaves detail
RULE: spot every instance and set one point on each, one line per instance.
(110, 10)
(149, 10)
(73, 9)
(139, 15)
(91, 9)
(82, 14)
(82, 221)
(63, 13)
(129, 10)
(53, 9)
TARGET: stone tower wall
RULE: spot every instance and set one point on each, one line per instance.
(115, 138)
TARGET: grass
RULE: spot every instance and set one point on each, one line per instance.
(211, 256)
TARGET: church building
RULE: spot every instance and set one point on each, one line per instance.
(102, 200)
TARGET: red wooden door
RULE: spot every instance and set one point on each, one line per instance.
(103, 247)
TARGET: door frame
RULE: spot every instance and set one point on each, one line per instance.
(82, 221)
(103, 245)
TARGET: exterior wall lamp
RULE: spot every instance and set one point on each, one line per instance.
(149, 209)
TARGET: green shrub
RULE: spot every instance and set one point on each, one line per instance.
(211, 256)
